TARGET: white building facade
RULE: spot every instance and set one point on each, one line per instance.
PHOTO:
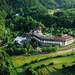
(47, 40)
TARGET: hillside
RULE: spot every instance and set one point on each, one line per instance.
(58, 3)
(36, 9)
(15, 4)
(41, 4)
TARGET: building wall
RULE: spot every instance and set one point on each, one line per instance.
(69, 42)
(44, 42)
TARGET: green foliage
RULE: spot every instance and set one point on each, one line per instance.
(58, 3)
(20, 23)
(50, 49)
(6, 65)
(41, 5)
(52, 65)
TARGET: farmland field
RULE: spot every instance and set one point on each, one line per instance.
(20, 60)
(45, 64)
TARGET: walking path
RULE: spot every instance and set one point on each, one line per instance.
(65, 51)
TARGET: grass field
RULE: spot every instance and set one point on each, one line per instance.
(52, 69)
(58, 59)
(56, 68)
(21, 60)
(62, 60)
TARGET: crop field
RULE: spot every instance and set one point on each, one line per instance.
(62, 60)
(21, 60)
(54, 70)
(44, 64)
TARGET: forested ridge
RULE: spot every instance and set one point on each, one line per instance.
(43, 3)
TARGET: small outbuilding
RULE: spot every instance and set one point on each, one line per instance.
(21, 40)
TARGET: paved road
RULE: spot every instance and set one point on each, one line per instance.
(65, 51)
(58, 52)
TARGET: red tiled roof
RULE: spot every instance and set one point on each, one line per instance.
(61, 39)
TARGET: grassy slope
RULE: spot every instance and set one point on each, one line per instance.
(53, 70)
(21, 60)
(61, 60)
(41, 4)
(56, 69)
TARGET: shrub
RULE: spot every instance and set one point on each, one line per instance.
(51, 63)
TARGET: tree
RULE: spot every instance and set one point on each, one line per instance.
(7, 67)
